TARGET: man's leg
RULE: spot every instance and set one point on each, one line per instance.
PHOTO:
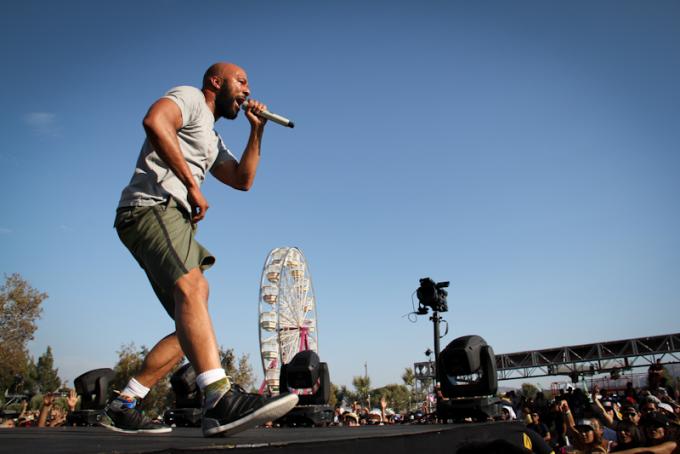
(226, 409)
(121, 411)
(197, 336)
(160, 361)
(194, 328)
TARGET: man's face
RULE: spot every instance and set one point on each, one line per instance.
(588, 434)
(649, 407)
(655, 433)
(232, 93)
(624, 436)
(535, 418)
(632, 415)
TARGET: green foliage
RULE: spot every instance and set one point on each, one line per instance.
(20, 307)
(46, 376)
(240, 371)
(409, 379)
(343, 396)
(529, 391)
(396, 396)
(333, 399)
(362, 384)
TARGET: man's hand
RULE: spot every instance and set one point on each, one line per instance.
(48, 399)
(252, 109)
(72, 400)
(199, 205)
(564, 406)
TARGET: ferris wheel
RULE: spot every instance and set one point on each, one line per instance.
(287, 313)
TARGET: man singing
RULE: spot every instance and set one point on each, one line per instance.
(156, 220)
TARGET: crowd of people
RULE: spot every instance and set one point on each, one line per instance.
(53, 412)
(359, 415)
(604, 421)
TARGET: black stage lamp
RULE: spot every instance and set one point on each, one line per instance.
(307, 376)
(188, 399)
(92, 386)
(467, 374)
(468, 360)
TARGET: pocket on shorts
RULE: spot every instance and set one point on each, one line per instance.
(128, 217)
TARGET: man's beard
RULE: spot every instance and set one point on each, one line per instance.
(226, 106)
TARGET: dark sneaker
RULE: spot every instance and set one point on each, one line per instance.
(238, 411)
(124, 417)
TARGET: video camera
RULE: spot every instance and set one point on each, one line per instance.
(432, 295)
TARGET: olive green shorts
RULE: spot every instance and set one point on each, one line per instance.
(161, 239)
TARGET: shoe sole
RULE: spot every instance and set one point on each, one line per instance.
(270, 412)
(161, 430)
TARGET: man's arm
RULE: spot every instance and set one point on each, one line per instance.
(241, 175)
(600, 409)
(45, 408)
(664, 448)
(161, 124)
(576, 436)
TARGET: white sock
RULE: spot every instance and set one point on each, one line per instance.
(135, 389)
(210, 376)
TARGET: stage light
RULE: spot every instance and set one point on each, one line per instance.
(468, 360)
(467, 375)
(188, 399)
(92, 386)
(309, 378)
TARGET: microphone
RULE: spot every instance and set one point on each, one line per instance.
(283, 121)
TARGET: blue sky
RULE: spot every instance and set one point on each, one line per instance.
(526, 151)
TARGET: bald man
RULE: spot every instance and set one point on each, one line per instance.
(156, 219)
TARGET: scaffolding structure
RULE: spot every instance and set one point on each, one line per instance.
(589, 359)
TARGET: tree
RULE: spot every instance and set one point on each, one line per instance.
(398, 397)
(333, 398)
(343, 396)
(19, 309)
(46, 376)
(363, 385)
(409, 378)
(241, 373)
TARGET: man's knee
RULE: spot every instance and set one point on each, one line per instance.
(192, 285)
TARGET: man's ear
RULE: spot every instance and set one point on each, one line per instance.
(216, 82)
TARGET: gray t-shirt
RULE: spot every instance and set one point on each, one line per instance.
(153, 182)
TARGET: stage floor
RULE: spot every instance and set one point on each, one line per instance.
(374, 439)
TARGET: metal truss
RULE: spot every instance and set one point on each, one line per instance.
(423, 371)
(588, 359)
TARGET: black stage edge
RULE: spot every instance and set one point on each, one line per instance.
(430, 439)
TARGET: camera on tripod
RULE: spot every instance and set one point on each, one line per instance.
(432, 295)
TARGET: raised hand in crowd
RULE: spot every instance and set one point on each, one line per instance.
(72, 400)
(45, 409)
(24, 407)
